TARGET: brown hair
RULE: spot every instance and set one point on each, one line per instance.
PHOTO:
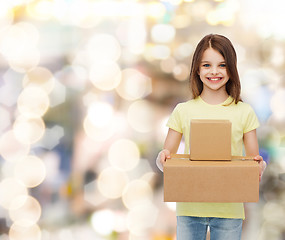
(224, 46)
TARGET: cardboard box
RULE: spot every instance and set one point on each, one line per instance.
(211, 181)
(210, 139)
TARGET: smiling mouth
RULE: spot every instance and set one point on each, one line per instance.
(215, 79)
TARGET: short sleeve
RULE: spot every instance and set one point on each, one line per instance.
(251, 120)
(174, 121)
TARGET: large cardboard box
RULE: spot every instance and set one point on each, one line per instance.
(211, 181)
(210, 139)
(212, 174)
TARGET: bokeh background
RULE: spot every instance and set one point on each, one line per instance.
(86, 88)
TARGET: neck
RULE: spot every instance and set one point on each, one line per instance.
(214, 97)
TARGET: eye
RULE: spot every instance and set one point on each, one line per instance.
(206, 65)
(223, 65)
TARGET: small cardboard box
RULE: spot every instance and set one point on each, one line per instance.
(211, 181)
(210, 139)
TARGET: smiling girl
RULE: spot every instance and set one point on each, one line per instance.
(215, 86)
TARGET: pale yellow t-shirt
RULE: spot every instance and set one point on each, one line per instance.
(243, 120)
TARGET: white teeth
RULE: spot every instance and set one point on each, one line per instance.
(214, 79)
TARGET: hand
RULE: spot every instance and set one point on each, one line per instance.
(262, 165)
(161, 158)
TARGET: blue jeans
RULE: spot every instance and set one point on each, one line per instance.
(195, 228)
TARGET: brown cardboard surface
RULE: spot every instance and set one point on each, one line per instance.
(210, 139)
(211, 181)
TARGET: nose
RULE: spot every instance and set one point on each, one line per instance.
(214, 70)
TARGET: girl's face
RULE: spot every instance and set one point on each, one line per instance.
(213, 71)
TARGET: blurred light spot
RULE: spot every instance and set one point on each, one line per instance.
(241, 52)
(163, 129)
(160, 52)
(98, 133)
(65, 233)
(181, 72)
(80, 13)
(184, 50)
(132, 34)
(105, 75)
(27, 213)
(155, 10)
(270, 136)
(129, 57)
(58, 94)
(28, 130)
(174, 2)
(137, 193)
(80, 59)
(141, 116)
(273, 212)
(42, 10)
(142, 218)
(31, 171)
(260, 105)
(266, 17)
(223, 14)
(80, 72)
(181, 21)
(92, 194)
(52, 160)
(11, 148)
(20, 2)
(163, 33)
(252, 79)
(39, 77)
(103, 221)
(33, 102)
(111, 183)
(30, 30)
(281, 157)
(115, 8)
(90, 97)
(100, 114)
(23, 56)
(198, 10)
(51, 137)
(5, 119)
(120, 221)
(167, 65)
(11, 89)
(6, 16)
(20, 232)
(149, 177)
(134, 85)
(124, 154)
(103, 47)
(277, 57)
(277, 105)
(27, 59)
(10, 190)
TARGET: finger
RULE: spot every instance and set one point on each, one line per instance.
(162, 157)
(258, 158)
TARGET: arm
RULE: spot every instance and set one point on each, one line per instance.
(171, 145)
(252, 149)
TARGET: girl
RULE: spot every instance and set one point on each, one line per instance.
(215, 85)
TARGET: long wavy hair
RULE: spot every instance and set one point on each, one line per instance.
(224, 46)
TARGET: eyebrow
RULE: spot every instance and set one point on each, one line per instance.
(210, 61)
